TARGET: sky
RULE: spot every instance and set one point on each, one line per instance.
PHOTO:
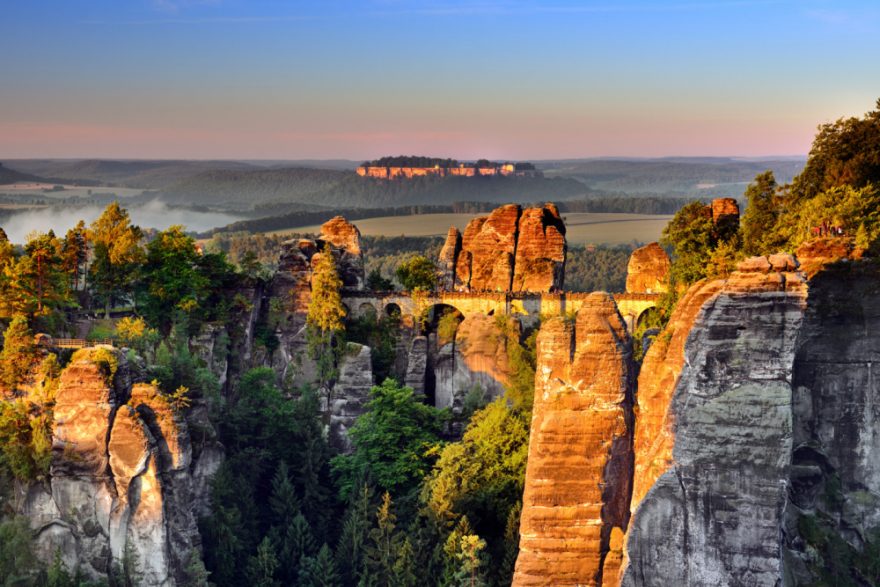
(518, 79)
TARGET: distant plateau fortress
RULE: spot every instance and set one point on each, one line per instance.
(410, 167)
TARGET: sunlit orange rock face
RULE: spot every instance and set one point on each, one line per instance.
(448, 257)
(578, 480)
(540, 250)
(511, 249)
(647, 270)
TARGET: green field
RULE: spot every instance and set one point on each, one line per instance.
(583, 227)
(40, 190)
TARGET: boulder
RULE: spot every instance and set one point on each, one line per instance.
(647, 270)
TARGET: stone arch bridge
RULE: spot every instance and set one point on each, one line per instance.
(527, 306)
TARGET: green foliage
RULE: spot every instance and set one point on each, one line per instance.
(262, 566)
(392, 441)
(447, 325)
(320, 571)
(596, 268)
(380, 334)
(176, 276)
(356, 527)
(763, 212)
(117, 254)
(18, 354)
(690, 235)
(25, 439)
(274, 482)
(375, 282)
(324, 320)
(176, 367)
(481, 477)
(844, 153)
(417, 274)
(17, 560)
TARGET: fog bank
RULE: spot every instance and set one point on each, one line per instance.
(154, 214)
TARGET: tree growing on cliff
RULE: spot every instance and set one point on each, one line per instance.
(324, 320)
(758, 224)
(844, 153)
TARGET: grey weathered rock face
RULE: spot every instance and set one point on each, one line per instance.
(835, 473)
(120, 479)
(345, 401)
(714, 516)
(417, 365)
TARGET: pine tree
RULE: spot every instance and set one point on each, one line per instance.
(350, 551)
(262, 566)
(761, 215)
(383, 550)
(511, 545)
(324, 319)
(283, 502)
(18, 354)
(404, 572)
(320, 571)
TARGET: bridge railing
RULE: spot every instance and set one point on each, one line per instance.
(77, 343)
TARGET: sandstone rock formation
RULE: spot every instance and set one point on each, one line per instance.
(710, 513)
(578, 480)
(647, 270)
(540, 252)
(476, 358)
(725, 210)
(448, 256)
(120, 481)
(291, 289)
(511, 249)
(344, 239)
(345, 401)
(835, 470)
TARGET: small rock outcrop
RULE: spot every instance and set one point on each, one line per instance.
(725, 210)
(345, 401)
(344, 239)
(647, 270)
(540, 251)
(291, 287)
(579, 475)
(511, 249)
(448, 257)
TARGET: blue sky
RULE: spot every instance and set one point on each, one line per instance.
(504, 79)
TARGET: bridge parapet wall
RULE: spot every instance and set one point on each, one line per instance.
(526, 306)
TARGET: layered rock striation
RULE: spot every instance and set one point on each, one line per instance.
(579, 475)
(511, 249)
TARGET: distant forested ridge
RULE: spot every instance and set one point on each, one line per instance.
(681, 176)
(280, 217)
(248, 189)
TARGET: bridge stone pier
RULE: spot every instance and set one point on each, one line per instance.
(528, 307)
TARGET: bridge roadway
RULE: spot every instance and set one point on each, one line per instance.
(528, 306)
